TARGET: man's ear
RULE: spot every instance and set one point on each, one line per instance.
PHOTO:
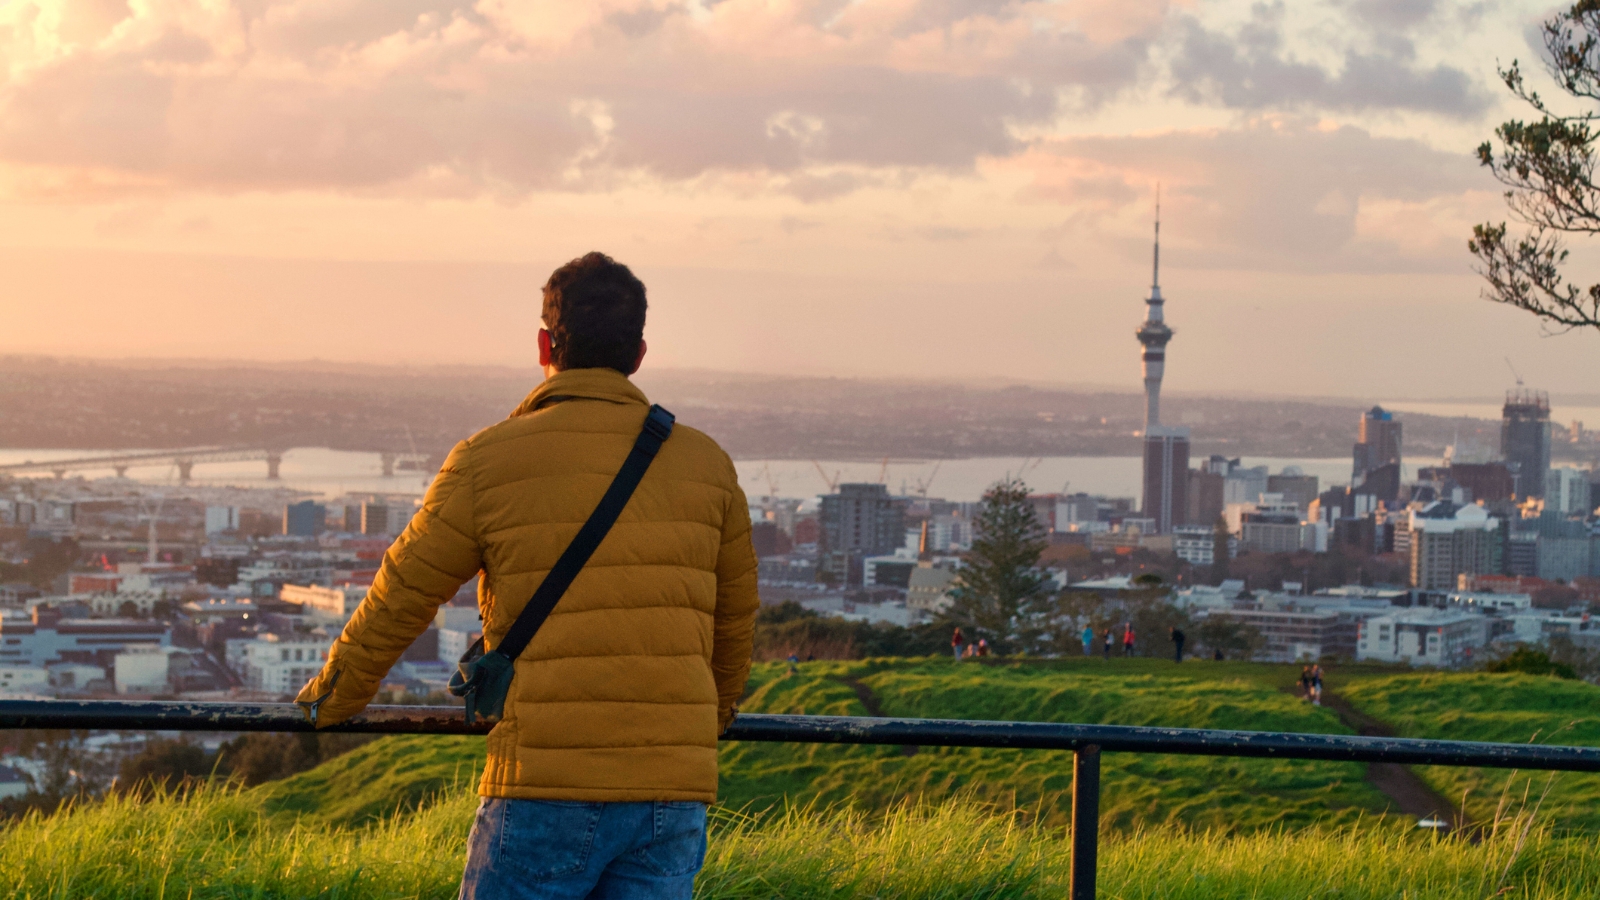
(639, 361)
(544, 347)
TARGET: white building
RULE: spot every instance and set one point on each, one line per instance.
(1566, 491)
(274, 664)
(1196, 544)
(143, 602)
(1448, 541)
(142, 670)
(222, 518)
(328, 604)
(1423, 637)
(1505, 604)
(453, 642)
(23, 679)
(76, 676)
(928, 590)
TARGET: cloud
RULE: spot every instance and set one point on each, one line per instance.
(1274, 193)
(1251, 68)
(514, 95)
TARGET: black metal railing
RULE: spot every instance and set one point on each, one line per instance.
(1085, 741)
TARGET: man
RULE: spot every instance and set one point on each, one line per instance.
(1177, 643)
(599, 773)
(956, 642)
(1088, 640)
(1127, 640)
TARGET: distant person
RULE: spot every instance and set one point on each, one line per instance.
(1316, 684)
(1127, 640)
(1177, 644)
(983, 646)
(955, 642)
(599, 772)
(1305, 682)
(1108, 643)
(1088, 640)
(794, 664)
(1217, 655)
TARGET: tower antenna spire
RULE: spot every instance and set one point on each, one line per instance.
(1155, 274)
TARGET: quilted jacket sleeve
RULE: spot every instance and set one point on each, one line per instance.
(737, 603)
(437, 553)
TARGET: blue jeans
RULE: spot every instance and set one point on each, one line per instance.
(555, 850)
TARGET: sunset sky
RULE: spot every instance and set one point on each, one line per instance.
(920, 188)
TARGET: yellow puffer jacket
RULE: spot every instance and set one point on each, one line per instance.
(622, 693)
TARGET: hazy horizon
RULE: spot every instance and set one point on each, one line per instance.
(916, 189)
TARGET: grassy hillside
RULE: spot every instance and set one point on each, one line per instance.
(376, 780)
(221, 844)
(1477, 706)
(1204, 792)
(1137, 790)
(1241, 795)
(831, 822)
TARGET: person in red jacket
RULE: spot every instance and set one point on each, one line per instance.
(1127, 640)
(956, 642)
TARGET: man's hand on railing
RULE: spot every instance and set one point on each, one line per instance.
(314, 694)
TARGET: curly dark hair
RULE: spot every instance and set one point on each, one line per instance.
(594, 309)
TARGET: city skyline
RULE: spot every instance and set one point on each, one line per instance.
(806, 188)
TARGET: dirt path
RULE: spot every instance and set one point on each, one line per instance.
(874, 708)
(1411, 795)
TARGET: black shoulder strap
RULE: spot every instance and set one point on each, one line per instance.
(657, 428)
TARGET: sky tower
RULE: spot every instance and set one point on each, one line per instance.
(1166, 450)
(1154, 334)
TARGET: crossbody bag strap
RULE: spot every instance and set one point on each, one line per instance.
(657, 428)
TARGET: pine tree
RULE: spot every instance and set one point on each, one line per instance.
(999, 584)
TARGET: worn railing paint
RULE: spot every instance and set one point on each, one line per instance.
(1086, 741)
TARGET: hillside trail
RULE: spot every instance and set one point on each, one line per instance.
(874, 708)
(1411, 795)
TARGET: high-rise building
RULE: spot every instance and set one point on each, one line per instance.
(1166, 449)
(1525, 439)
(1377, 445)
(1295, 486)
(1566, 491)
(1448, 541)
(861, 520)
(305, 519)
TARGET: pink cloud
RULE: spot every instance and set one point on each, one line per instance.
(375, 94)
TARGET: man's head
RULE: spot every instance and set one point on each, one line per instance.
(593, 317)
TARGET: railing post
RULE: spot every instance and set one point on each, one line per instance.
(1085, 820)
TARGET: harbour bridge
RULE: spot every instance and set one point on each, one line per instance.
(186, 459)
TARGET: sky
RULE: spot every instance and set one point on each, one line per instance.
(947, 189)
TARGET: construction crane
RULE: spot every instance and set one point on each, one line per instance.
(772, 482)
(883, 471)
(1514, 373)
(1029, 466)
(924, 483)
(154, 515)
(832, 483)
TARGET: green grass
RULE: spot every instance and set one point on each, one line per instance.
(1138, 790)
(378, 779)
(818, 821)
(223, 844)
(1513, 708)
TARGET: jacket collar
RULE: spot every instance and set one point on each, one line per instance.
(589, 384)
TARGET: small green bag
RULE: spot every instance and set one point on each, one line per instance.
(484, 679)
